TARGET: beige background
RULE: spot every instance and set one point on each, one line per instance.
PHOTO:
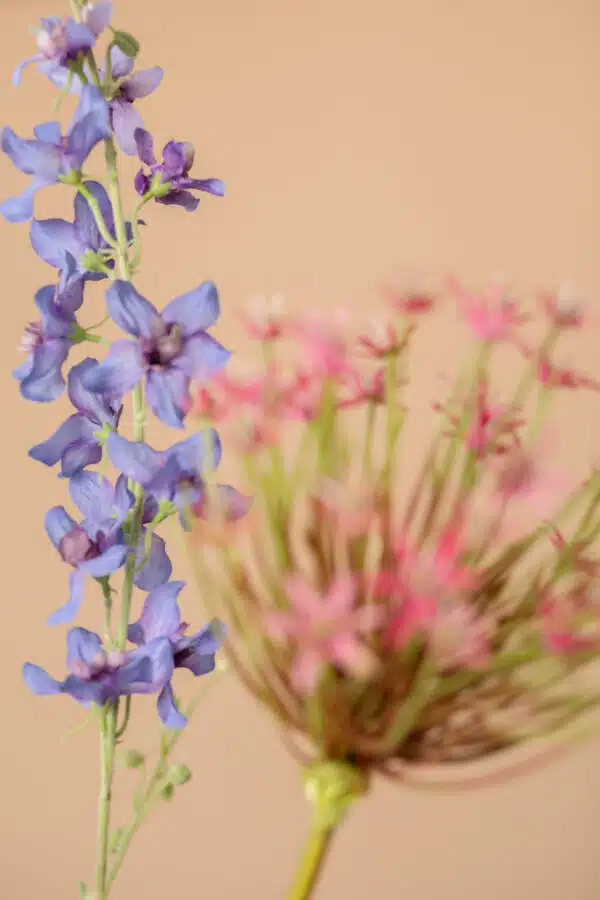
(357, 140)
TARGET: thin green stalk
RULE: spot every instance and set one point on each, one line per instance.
(332, 786)
(109, 723)
(312, 862)
(151, 794)
(135, 230)
(114, 193)
(107, 753)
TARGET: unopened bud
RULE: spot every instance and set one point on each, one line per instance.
(178, 774)
(167, 792)
(132, 759)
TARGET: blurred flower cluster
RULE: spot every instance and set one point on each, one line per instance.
(391, 608)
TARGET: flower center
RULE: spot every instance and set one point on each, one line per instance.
(166, 348)
(51, 43)
(76, 547)
(32, 337)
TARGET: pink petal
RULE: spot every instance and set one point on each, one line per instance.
(368, 618)
(351, 655)
(341, 594)
(306, 670)
(304, 598)
(281, 625)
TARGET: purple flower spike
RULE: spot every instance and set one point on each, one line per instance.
(51, 157)
(97, 676)
(77, 442)
(176, 474)
(170, 180)
(160, 620)
(47, 343)
(171, 348)
(56, 241)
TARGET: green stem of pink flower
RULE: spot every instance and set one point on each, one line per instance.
(332, 786)
(312, 863)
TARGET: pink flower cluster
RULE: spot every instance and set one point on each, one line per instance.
(366, 591)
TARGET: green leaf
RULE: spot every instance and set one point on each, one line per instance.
(83, 891)
(126, 43)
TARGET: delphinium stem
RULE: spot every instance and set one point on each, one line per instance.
(109, 723)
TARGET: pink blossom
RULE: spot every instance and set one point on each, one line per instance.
(325, 630)
(490, 315)
(415, 301)
(563, 308)
(491, 430)
(385, 340)
(327, 353)
(365, 388)
(562, 626)
(421, 582)
(555, 376)
(266, 320)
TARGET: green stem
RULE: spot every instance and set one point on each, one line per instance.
(151, 794)
(109, 724)
(312, 863)
(135, 230)
(332, 786)
(114, 193)
(107, 756)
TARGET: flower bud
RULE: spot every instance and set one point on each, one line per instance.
(178, 774)
(167, 792)
(126, 43)
(132, 759)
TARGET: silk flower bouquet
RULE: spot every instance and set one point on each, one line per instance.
(385, 612)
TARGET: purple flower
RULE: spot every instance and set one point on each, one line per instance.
(175, 475)
(48, 342)
(97, 676)
(56, 241)
(161, 619)
(51, 157)
(124, 117)
(77, 442)
(170, 181)
(60, 41)
(97, 546)
(171, 348)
